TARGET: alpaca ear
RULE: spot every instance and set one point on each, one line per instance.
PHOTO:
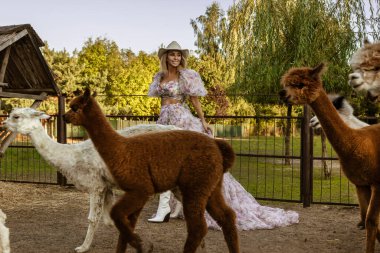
(318, 70)
(366, 41)
(376, 55)
(94, 94)
(77, 92)
(338, 102)
(40, 115)
(86, 95)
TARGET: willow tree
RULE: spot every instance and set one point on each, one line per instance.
(211, 64)
(266, 37)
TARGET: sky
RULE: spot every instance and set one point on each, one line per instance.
(132, 24)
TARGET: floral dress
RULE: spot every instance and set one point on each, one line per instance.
(250, 214)
(189, 84)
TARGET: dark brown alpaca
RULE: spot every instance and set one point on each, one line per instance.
(358, 149)
(157, 162)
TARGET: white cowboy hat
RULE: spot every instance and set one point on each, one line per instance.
(173, 46)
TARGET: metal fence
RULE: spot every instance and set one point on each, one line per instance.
(278, 158)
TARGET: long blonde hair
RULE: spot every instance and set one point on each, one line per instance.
(164, 64)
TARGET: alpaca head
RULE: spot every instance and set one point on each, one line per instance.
(24, 120)
(302, 85)
(365, 64)
(78, 105)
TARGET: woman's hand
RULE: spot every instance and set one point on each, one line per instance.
(206, 127)
(197, 105)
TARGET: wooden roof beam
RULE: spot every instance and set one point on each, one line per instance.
(4, 64)
(21, 74)
(20, 95)
(45, 66)
(28, 91)
(13, 39)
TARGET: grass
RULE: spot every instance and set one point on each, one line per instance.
(26, 165)
(264, 177)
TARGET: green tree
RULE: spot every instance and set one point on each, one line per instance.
(138, 75)
(214, 64)
(66, 69)
(104, 71)
(268, 37)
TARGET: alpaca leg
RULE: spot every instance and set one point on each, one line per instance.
(108, 203)
(194, 210)
(4, 234)
(372, 219)
(178, 208)
(177, 193)
(124, 214)
(364, 195)
(225, 217)
(96, 210)
(4, 239)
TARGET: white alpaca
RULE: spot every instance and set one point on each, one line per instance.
(80, 163)
(4, 234)
(345, 111)
(365, 64)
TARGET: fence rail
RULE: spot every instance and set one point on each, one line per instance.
(278, 158)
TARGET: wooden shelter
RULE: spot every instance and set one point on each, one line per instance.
(24, 73)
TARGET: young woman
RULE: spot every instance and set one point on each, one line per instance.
(175, 85)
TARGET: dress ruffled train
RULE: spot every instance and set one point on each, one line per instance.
(250, 214)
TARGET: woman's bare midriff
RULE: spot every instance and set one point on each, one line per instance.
(170, 101)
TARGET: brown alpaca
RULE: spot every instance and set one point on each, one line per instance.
(358, 149)
(157, 162)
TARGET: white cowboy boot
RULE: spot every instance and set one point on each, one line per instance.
(163, 210)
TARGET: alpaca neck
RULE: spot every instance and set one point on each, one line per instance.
(42, 141)
(49, 149)
(356, 123)
(336, 130)
(99, 129)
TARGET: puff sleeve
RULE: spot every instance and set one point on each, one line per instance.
(153, 86)
(191, 83)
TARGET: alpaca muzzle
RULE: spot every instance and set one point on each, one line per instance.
(371, 97)
(283, 96)
(66, 118)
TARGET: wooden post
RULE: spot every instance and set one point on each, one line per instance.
(3, 68)
(306, 159)
(61, 134)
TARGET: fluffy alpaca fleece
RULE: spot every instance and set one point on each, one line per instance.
(365, 64)
(4, 234)
(156, 162)
(358, 149)
(80, 163)
(345, 110)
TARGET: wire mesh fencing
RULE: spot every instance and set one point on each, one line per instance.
(271, 153)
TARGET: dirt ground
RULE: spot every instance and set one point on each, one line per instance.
(47, 219)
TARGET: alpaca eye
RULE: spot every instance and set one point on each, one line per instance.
(74, 108)
(298, 85)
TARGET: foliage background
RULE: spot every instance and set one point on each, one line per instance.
(241, 54)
